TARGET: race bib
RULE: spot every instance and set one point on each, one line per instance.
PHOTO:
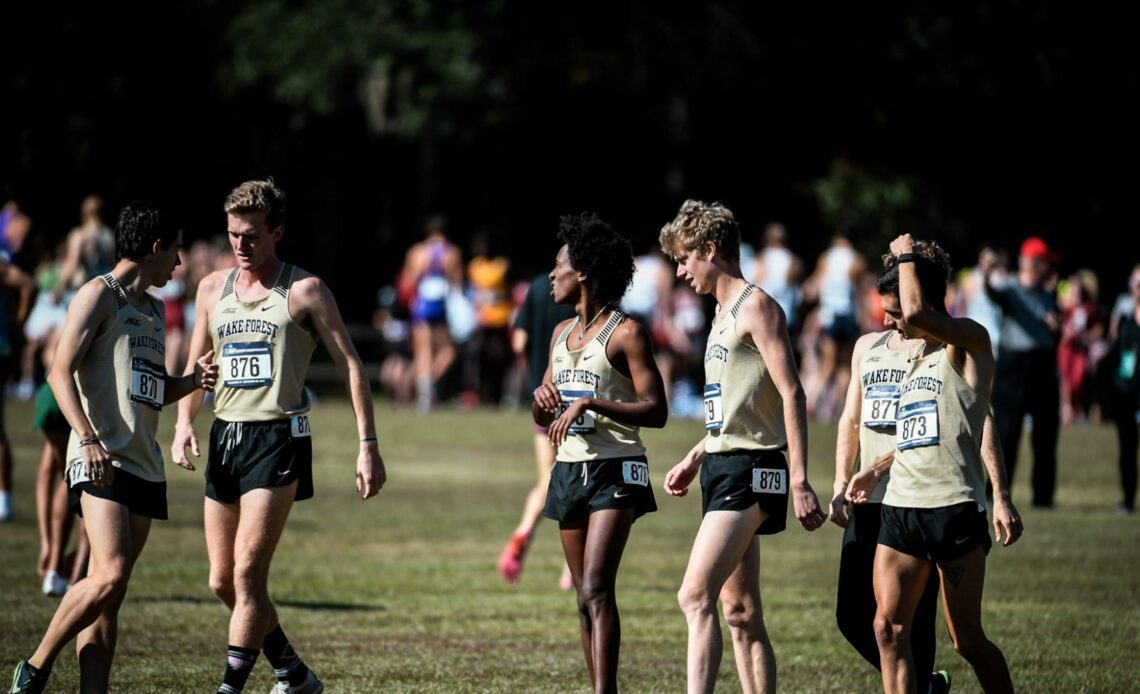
(299, 426)
(635, 472)
(77, 473)
(769, 481)
(247, 364)
(148, 382)
(880, 405)
(585, 423)
(917, 425)
(714, 407)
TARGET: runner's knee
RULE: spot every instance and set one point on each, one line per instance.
(595, 593)
(249, 580)
(887, 633)
(969, 645)
(743, 618)
(695, 600)
(222, 584)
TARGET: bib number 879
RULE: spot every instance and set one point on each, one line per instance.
(769, 480)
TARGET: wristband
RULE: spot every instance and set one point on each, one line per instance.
(904, 258)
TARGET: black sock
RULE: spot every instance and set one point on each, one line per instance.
(239, 663)
(286, 663)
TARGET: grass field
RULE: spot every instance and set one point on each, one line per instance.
(401, 594)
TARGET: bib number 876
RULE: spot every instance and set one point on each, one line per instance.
(244, 367)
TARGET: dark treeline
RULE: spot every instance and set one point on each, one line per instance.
(967, 122)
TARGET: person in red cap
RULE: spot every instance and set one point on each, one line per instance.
(1026, 381)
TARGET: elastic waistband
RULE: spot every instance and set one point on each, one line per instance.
(641, 457)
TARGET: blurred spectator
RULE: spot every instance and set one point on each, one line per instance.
(487, 352)
(1081, 328)
(647, 302)
(833, 285)
(11, 278)
(972, 300)
(688, 332)
(1126, 390)
(397, 377)
(778, 272)
(173, 297)
(1026, 382)
(433, 269)
(90, 248)
(47, 314)
(14, 229)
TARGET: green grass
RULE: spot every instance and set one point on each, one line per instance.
(400, 593)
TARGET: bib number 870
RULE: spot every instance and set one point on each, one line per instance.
(635, 472)
(148, 386)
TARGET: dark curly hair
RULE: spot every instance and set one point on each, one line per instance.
(600, 253)
(931, 263)
(140, 225)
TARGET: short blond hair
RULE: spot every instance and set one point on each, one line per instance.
(698, 223)
(258, 196)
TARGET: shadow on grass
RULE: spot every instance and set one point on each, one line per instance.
(315, 605)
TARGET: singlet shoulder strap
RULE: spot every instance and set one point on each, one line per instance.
(741, 299)
(882, 341)
(603, 336)
(228, 287)
(157, 306)
(284, 280)
(566, 331)
(116, 289)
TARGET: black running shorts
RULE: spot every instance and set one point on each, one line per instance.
(936, 534)
(578, 489)
(259, 455)
(735, 480)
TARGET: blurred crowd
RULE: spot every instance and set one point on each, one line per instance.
(465, 304)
